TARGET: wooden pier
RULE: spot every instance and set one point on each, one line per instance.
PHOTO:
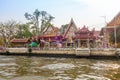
(79, 52)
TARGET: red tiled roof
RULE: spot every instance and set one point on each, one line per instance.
(84, 33)
(19, 40)
(115, 21)
(84, 37)
(50, 38)
(84, 29)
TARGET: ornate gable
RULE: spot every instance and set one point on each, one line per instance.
(51, 31)
(71, 29)
(115, 21)
(84, 33)
(84, 29)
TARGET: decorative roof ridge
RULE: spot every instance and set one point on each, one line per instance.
(48, 28)
(69, 25)
(115, 20)
(84, 28)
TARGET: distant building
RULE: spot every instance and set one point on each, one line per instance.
(20, 42)
(69, 33)
(84, 37)
(114, 23)
(50, 35)
(105, 32)
(50, 31)
(71, 29)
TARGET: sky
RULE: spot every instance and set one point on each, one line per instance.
(92, 13)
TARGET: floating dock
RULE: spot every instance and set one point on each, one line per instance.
(78, 52)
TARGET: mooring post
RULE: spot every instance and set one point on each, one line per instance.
(117, 54)
(7, 51)
(29, 51)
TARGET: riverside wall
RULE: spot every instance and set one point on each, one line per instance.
(64, 51)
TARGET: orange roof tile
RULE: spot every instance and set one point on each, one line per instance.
(115, 21)
(19, 40)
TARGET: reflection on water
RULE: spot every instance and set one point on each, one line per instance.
(42, 68)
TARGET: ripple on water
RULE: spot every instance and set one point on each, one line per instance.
(30, 78)
(58, 66)
(7, 64)
(6, 59)
(91, 77)
(8, 70)
(105, 66)
(60, 78)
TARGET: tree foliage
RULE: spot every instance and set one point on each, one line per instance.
(44, 17)
(1, 41)
(23, 31)
(8, 30)
(11, 29)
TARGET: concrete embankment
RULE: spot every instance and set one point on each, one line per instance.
(95, 52)
(78, 52)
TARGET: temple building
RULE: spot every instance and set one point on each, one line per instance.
(110, 27)
(23, 42)
(69, 34)
(50, 35)
(84, 37)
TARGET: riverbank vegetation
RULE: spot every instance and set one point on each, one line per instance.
(38, 21)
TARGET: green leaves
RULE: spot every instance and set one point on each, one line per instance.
(44, 17)
(23, 31)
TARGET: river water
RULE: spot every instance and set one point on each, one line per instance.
(45, 68)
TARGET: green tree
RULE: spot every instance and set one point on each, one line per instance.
(1, 41)
(34, 19)
(23, 31)
(46, 23)
(8, 30)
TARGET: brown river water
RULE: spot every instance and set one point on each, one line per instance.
(49, 68)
